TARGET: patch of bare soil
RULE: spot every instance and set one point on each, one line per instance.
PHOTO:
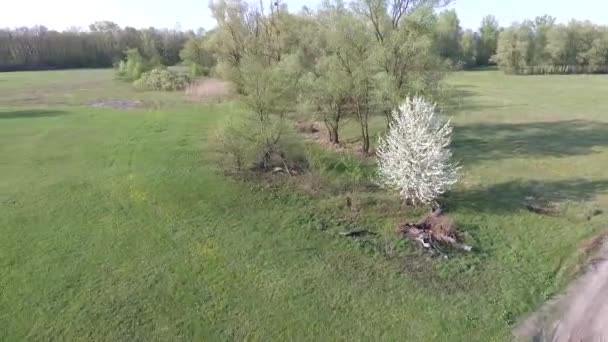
(317, 132)
(209, 90)
(581, 313)
(118, 104)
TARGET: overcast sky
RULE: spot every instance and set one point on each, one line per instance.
(192, 14)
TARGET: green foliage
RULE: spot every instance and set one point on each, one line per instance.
(353, 169)
(515, 48)
(243, 142)
(233, 142)
(488, 40)
(102, 46)
(465, 49)
(359, 61)
(133, 67)
(328, 87)
(448, 35)
(197, 55)
(468, 46)
(198, 70)
(162, 79)
(255, 52)
(541, 46)
(598, 53)
(269, 92)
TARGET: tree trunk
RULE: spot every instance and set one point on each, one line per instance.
(332, 132)
(363, 115)
(364, 129)
(365, 136)
(333, 135)
(389, 118)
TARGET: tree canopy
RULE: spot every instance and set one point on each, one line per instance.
(102, 45)
(541, 46)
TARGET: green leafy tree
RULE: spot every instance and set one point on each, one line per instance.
(198, 56)
(598, 54)
(488, 40)
(448, 36)
(352, 44)
(403, 49)
(134, 66)
(468, 46)
(542, 25)
(250, 46)
(515, 48)
(360, 60)
(329, 94)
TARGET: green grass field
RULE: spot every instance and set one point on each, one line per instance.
(118, 225)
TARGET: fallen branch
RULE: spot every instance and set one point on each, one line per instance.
(357, 232)
(434, 230)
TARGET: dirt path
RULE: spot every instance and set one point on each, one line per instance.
(581, 314)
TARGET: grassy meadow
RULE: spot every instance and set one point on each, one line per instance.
(119, 225)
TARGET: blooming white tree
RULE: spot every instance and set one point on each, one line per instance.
(414, 155)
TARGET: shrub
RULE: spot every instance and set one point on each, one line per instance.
(133, 67)
(268, 92)
(234, 145)
(162, 79)
(413, 157)
(245, 152)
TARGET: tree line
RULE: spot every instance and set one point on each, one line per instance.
(336, 62)
(538, 46)
(531, 47)
(102, 45)
(541, 46)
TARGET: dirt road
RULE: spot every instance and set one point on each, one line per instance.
(581, 314)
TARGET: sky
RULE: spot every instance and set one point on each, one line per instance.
(192, 14)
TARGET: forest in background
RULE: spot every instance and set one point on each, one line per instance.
(535, 46)
(100, 46)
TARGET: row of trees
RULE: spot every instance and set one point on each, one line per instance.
(531, 47)
(102, 45)
(466, 48)
(337, 62)
(541, 46)
(105, 43)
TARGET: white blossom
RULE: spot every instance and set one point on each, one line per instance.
(414, 155)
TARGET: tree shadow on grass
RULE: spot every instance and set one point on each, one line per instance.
(488, 141)
(457, 96)
(35, 113)
(459, 99)
(511, 196)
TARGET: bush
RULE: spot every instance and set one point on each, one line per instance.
(162, 79)
(246, 152)
(133, 67)
(233, 145)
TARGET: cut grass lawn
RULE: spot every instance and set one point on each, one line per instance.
(117, 225)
